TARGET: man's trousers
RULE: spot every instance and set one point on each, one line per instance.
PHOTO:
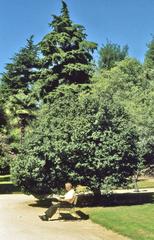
(53, 208)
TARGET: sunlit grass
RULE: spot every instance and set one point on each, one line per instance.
(146, 183)
(4, 178)
(136, 222)
(5, 182)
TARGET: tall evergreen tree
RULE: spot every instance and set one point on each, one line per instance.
(67, 55)
(20, 74)
(17, 85)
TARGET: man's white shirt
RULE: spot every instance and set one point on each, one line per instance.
(69, 195)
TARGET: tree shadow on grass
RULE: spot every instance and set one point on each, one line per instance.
(116, 199)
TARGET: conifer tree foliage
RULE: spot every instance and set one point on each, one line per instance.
(17, 84)
(67, 55)
(3, 120)
(110, 54)
(20, 73)
(149, 56)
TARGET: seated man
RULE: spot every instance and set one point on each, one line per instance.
(67, 199)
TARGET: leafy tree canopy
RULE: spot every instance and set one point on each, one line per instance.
(127, 84)
(149, 56)
(83, 138)
(110, 54)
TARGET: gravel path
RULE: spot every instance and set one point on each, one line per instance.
(19, 221)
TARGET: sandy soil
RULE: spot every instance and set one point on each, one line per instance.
(20, 221)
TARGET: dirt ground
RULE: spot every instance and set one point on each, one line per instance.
(20, 221)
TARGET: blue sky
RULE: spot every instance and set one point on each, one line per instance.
(121, 21)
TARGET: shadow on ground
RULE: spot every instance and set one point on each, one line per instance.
(43, 203)
(79, 215)
(114, 199)
(69, 217)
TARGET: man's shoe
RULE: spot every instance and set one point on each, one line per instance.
(43, 218)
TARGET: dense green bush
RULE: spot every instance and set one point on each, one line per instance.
(79, 137)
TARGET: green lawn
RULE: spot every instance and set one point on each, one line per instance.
(143, 182)
(136, 222)
(146, 183)
(6, 185)
(9, 182)
(5, 178)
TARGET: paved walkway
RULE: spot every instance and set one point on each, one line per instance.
(141, 190)
(19, 221)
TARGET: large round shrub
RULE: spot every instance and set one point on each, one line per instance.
(81, 137)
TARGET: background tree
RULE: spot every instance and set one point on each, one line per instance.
(128, 84)
(148, 107)
(110, 54)
(149, 56)
(5, 152)
(17, 88)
